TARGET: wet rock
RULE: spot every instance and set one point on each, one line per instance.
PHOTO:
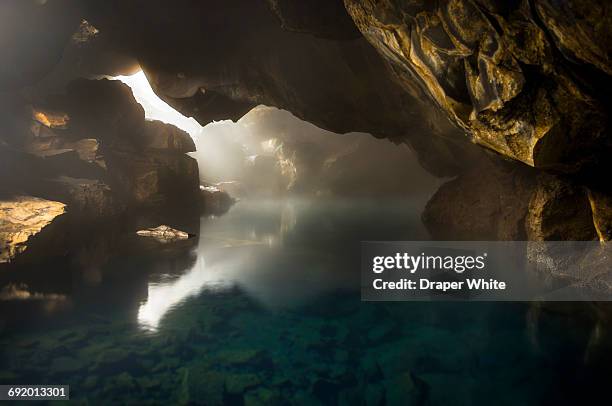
(375, 395)
(252, 358)
(263, 396)
(204, 386)
(164, 234)
(113, 359)
(21, 219)
(406, 388)
(238, 383)
(66, 365)
(124, 382)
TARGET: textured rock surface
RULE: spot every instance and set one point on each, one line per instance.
(601, 206)
(486, 203)
(163, 234)
(493, 68)
(22, 218)
(500, 201)
(91, 149)
(559, 211)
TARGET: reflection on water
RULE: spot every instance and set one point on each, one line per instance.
(264, 308)
(256, 249)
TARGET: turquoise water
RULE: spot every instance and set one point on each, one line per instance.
(263, 308)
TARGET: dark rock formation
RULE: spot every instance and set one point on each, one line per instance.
(215, 200)
(500, 201)
(489, 202)
(91, 150)
(33, 35)
(322, 18)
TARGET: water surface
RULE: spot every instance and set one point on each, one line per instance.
(263, 307)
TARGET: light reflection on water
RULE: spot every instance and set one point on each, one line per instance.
(280, 253)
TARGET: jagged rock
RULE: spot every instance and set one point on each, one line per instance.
(164, 234)
(130, 162)
(496, 74)
(22, 218)
(601, 206)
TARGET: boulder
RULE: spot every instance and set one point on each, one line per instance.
(162, 136)
(215, 200)
(21, 219)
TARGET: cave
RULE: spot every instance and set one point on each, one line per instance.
(326, 202)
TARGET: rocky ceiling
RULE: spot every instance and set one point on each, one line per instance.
(528, 80)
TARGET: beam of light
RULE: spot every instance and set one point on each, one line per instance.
(154, 107)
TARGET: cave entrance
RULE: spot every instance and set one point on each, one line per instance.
(271, 153)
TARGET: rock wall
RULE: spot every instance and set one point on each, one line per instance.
(527, 79)
(91, 152)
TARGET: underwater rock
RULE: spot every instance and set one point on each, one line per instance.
(164, 234)
(252, 358)
(204, 386)
(406, 388)
(22, 218)
(236, 384)
(263, 397)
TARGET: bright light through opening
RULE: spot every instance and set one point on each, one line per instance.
(154, 107)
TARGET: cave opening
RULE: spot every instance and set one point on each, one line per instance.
(269, 152)
(286, 174)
